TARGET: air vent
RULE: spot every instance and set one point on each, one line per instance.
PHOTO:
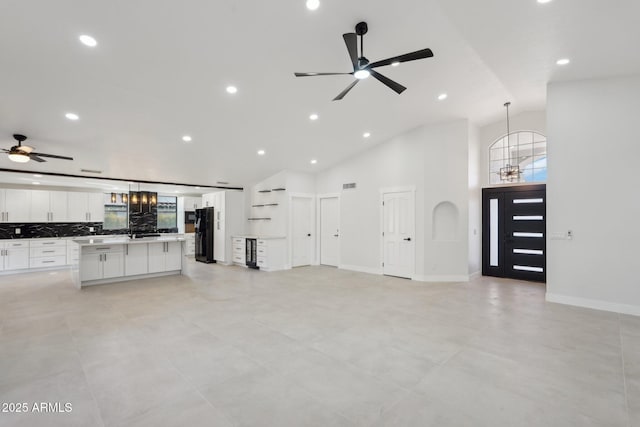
(90, 171)
(349, 186)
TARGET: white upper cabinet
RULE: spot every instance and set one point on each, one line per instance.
(86, 207)
(16, 205)
(48, 206)
(96, 207)
(192, 203)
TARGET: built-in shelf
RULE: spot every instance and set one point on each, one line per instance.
(279, 189)
(259, 219)
(264, 191)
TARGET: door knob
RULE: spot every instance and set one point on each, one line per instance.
(309, 235)
(408, 239)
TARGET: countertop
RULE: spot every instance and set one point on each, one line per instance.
(246, 236)
(125, 240)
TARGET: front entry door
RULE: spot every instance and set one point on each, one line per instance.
(514, 232)
(398, 234)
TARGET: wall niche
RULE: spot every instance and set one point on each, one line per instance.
(445, 222)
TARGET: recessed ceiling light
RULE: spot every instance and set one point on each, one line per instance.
(366, 134)
(395, 64)
(261, 152)
(176, 192)
(313, 4)
(442, 96)
(35, 183)
(314, 161)
(313, 116)
(544, 1)
(232, 89)
(563, 61)
(72, 116)
(88, 40)
(36, 175)
(186, 138)
(197, 188)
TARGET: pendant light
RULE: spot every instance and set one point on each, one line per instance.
(113, 197)
(509, 173)
(125, 198)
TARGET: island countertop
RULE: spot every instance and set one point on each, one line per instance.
(125, 240)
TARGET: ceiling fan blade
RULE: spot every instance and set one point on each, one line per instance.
(36, 158)
(319, 74)
(351, 40)
(397, 87)
(53, 156)
(418, 54)
(344, 92)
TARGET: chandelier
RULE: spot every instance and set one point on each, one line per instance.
(509, 173)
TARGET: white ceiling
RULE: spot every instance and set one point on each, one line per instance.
(161, 68)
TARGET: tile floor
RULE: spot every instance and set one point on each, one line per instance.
(315, 346)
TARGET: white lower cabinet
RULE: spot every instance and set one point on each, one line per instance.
(102, 262)
(135, 260)
(45, 253)
(165, 256)
(14, 256)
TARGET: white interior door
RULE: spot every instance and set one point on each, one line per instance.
(330, 231)
(301, 231)
(398, 234)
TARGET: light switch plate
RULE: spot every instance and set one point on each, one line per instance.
(18, 231)
(92, 229)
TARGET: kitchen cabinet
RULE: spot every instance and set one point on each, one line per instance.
(192, 203)
(14, 205)
(14, 255)
(135, 260)
(48, 206)
(46, 253)
(85, 207)
(102, 262)
(165, 256)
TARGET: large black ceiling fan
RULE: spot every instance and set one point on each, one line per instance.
(23, 153)
(362, 68)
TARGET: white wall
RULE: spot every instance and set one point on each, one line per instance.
(593, 191)
(433, 159)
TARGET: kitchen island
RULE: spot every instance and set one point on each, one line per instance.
(116, 259)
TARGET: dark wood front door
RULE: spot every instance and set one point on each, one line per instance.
(514, 232)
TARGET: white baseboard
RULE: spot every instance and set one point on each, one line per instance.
(360, 269)
(633, 310)
(443, 278)
(475, 275)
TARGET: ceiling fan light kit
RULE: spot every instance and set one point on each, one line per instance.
(23, 153)
(362, 68)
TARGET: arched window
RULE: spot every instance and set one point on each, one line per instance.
(525, 155)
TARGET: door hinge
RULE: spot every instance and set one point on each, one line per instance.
(383, 234)
(383, 264)
(382, 203)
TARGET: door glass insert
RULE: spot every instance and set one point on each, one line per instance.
(527, 268)
(520, 234)
(521, 201)
(528, 251)
(493, 244)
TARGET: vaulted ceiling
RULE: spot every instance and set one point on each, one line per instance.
(160, 70)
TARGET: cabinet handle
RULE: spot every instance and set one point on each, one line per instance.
(48, 252)
(47, 262)
(126, 249)
(103, 249)
(48, 243)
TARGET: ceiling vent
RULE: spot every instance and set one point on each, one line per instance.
(90, 171)
(349, 186)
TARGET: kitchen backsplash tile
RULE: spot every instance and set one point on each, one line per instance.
(32, 230)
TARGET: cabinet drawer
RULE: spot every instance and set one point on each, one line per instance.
(44, 243)
(238, 241)
(47, 251)
(262, 261)
(262, 251)
(262, 242)
(100, 249)
(17, 245)
(49, 261)
(239, 250)
(239, 258)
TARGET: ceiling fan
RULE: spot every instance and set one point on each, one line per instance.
(362, 68)
(23, 153)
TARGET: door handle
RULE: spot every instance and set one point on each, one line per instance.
(308, 234)
(408, 239)
(335, 235)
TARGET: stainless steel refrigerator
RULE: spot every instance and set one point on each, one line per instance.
(204, 226)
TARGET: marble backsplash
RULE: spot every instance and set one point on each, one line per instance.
(53, 229)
